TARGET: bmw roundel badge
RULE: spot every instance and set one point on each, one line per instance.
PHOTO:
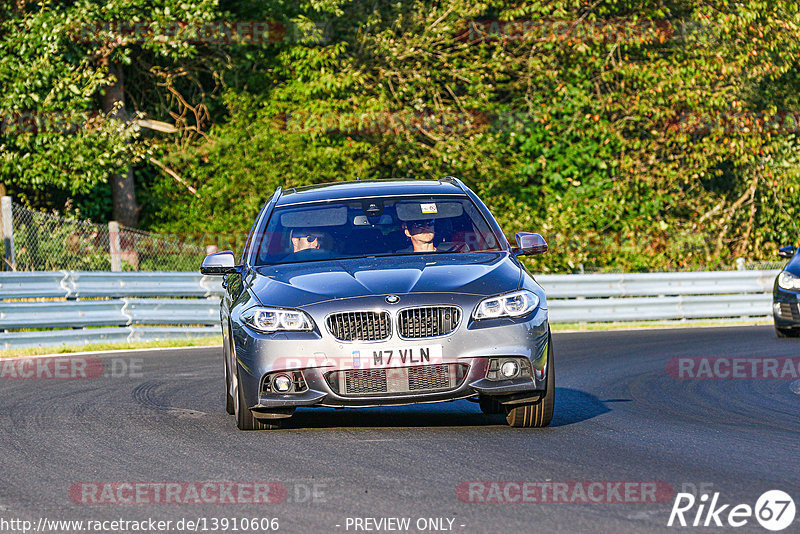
(392, 299)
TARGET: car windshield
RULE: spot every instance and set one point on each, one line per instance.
(373, 227)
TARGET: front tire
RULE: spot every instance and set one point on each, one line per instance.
(229, 402)
(244, 417)
(539, 413)
(787, 332)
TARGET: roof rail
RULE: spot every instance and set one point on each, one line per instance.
(273, 197)
(455, 181)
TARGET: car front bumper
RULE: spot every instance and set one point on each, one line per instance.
(316, 354)
(786, 308)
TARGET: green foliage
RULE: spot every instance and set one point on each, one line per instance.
(633, 135)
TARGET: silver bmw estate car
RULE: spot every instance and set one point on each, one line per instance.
(385, 292)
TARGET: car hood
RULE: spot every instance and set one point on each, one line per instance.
(794, 265)
(301, 284)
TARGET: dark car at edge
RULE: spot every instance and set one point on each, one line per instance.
(786, 295)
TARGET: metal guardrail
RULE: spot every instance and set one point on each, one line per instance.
(79, 284)
(49, 338)
(116, 312)
(659, 308)
(83, 307)
(87, 307)
(658, 296)
(565, 286)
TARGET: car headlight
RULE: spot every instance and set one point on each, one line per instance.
(787, 280)
(270, 320)
(514, 304)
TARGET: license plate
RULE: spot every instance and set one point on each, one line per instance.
(395, 356)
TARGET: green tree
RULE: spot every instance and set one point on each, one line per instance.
(633, 135)
(68, 63)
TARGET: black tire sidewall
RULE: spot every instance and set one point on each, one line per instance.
(229, 401)
(523, 412)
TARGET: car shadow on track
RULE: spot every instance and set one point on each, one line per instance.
(452, 414)
(572, 406)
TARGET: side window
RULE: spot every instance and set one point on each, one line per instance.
(251, 236)
(272, 242)
(247, 244)
(474, 233)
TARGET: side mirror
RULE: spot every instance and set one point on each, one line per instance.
(786, 252)
(219, 263)
(528, 243)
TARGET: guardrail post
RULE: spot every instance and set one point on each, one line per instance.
(9, 259)
(114, 247)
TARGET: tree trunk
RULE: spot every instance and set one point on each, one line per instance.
(123, 194)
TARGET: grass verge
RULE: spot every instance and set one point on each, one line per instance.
(97, 347)
(630, 325)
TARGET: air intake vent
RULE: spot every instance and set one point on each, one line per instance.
(790, 311)
(416, 323)
(360, 326)
(398, 380)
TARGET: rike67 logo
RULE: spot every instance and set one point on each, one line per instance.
(774, 510)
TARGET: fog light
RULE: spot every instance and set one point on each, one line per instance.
(282, 383)
(509, 369)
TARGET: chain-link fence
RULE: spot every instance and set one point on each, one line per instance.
(143, 251)
(46, 242)
(763, 265)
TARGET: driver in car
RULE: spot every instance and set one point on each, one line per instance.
(306, 238)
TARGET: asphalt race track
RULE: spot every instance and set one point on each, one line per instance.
(620, 417)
